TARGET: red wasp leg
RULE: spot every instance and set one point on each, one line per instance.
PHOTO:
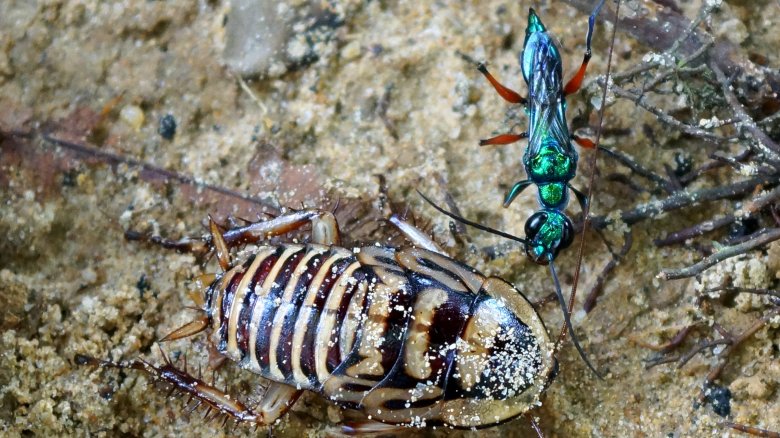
(575, 83)
(325, 230)
(584, 142)
(415, 235)
(509, 95)
(503, 139)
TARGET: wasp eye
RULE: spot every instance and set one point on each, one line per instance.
(534, 224)
(567, 235)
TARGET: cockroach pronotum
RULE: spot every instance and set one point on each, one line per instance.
(408, 337)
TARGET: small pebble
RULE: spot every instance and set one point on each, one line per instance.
(167, 127)
(133, 116)
(350, 51)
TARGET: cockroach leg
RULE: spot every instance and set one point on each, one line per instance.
(191, 328)
(415, 235)
(369, 427)
(186, 245)
(220, 247)
(324, 228)
(277, 399)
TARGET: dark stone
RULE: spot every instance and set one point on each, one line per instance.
(167, 128)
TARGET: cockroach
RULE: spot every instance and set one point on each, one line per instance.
(407, 337)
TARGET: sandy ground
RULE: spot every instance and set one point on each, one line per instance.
(388, 94)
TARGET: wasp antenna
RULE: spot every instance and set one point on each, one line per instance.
(567, 321)
(593, 157)
(474, 224)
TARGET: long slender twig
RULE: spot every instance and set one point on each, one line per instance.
(731, 251)
(638, 168)
(763, 143)
(641, 100)
(614, 261)
(155, 171)
(734, 343)
(768, 292)
(707, 226)
(683, 199)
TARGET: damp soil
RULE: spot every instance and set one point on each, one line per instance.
(374, 103)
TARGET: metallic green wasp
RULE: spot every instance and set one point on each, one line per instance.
(550, 160)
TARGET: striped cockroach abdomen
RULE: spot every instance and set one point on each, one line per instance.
(407, 336)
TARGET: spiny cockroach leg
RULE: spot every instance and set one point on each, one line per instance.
(275, 402)
(187, 244)
(534, 425)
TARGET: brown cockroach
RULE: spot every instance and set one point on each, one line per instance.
(404, 336)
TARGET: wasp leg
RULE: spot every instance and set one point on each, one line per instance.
(575, 82)
(508, 94)
(325, 229)
(584, 142)
(503, 139)
(415, 235)
(515, 190)
(582, 198)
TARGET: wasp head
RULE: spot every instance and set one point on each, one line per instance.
(548, 232)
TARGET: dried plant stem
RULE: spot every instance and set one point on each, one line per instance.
(770, 235)
(683, 199)
(763, 143)
(748, 210)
